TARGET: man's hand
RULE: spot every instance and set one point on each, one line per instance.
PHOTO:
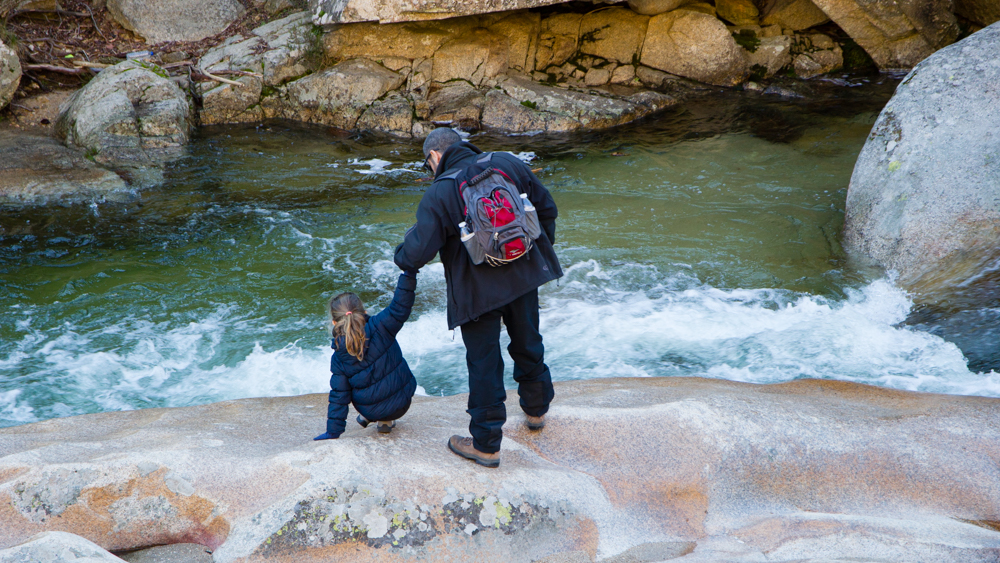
(325, 436)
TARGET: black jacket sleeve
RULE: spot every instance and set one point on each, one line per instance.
(424, 239)
(340, 397)
(391, 318)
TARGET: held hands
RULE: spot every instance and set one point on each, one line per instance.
(325, 436)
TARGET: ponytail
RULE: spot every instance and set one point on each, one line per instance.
(348, 314)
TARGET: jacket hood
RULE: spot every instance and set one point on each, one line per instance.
(455, 154)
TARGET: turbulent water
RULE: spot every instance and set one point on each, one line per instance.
(703, 242)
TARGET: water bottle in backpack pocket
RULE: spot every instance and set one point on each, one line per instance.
(476, 250)
(534, 228)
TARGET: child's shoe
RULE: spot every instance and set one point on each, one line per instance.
(364, 422)
(385, 426)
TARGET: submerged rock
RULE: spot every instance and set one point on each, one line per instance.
(38, 170)
(643, 469)
(175, 20)
(131, 117)
(10, 74)
(923, 196)
(694, 45)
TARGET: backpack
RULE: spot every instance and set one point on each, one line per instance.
(501, 225)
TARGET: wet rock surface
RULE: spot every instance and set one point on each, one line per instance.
(736, 472)
(923, 197)
(38, 170)
(131, 118)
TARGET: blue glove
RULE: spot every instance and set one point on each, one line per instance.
(325, 436)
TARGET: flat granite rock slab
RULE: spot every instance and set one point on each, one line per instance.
(643, 469)
(39, 170)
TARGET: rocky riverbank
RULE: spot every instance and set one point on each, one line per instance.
(518, 66)
(679, 469)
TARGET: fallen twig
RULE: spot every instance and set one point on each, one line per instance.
(237, 73)
(88, 64)
(93, 19)
(177, 65)
(202, 73)
(54, 68)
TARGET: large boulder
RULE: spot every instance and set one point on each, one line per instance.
(275, 53)
(923, 199)
(694, 45)
(57, 547)
(474, 56)
(131, 117)
(38, 170)
(392, 115)
(336, 96)
(175, 20)
(410, 40)
(982, 12)
(895, 33)
(458, 104)
(10, 74)
(647, 469)
(615, 34)
(521, 30)
(558, 40)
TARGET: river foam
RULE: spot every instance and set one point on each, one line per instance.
(599, 321)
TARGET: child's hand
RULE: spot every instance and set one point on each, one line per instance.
(325, 436)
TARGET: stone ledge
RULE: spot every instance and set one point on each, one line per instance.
(798, 471)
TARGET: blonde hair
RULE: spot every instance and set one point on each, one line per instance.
(348, 314)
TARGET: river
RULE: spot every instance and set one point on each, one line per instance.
(702, 242)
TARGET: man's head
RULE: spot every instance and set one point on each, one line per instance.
(436, 143)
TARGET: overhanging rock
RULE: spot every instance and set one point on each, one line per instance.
(327, 12)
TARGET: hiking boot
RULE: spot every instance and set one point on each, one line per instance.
(535, 422)
(463, 447)
(385, 426)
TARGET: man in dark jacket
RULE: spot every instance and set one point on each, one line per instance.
(480, 296)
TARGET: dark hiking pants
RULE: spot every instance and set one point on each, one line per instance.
(486, 391)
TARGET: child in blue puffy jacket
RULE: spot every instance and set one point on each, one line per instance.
(367, 368)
